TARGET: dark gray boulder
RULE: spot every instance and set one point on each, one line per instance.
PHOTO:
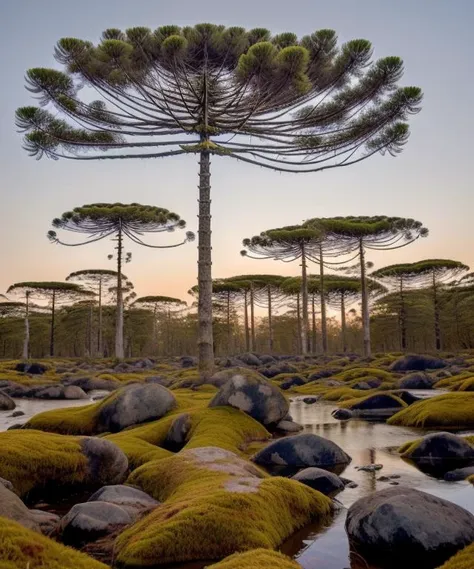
(294, 381)
(92, 383)
(89, 521)
(133, 500)
(267, 359)
(56, 392)
(361, 385)
(250, 359)
(256, 397)
(107, 464)
(221, 377)
(459, 474)
(6, 402)
(325, 482)
(378, 401)
(407, 526)
(280, 367)
(188, 361)
(178, 432)
(302, 451)
(310, 400)
(418, 363)
(342, 414)
(439, 449)
(419, 380)
(33, 368)
(287, 426)
(135, 404)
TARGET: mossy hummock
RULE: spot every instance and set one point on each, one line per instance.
(257, 559)
(215, 504)
(21, 548)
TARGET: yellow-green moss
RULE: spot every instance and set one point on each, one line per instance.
(31, 459)
(454, 382)
(202, 517)
(363, 372)
(257, 559)
(350, 403)
(447, 410)
(464, 559)
(21, 548)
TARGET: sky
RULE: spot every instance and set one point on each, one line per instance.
(431, 180)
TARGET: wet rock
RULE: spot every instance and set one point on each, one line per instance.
(294, 381)
(418, 363)
(17, 414)
(133, 500)
(92, 383)
(459, 474)
(310, 400)
(14, 509)
(188, 361)
(289, 427)
(443, 451)
(178, 432)
(256, 397)
(47, 521)
(107, 464)
(370, 467)
(33, 368)
(87, 522)
(302, 451)
(394, 476)
(383, 479)
(56, 392)
(250, 359)
(342, 414)
(393, 483)
(135, 404)
(6, 402)
(407, 397)
(408, 526)
(325, 482)
(378, 401)
(418, 380)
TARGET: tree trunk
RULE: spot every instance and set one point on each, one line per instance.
(298, 320)
(313, 311)
(252, 318)
(365, 302)
(229, 330)
(119, 349)
(437, 329)
(26, 343)
(53, 307)
(324, 328)
(343, 324)
(403, 319)
(304, 300)
(91, 315)
(99, 332)
(205, 336)
(246, 323)
(270, 323)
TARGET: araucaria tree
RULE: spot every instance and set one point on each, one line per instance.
(99, 221)
(287, 104)
(55, 293)
(377, 233)
(98, 281)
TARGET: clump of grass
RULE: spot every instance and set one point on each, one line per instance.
(447, 410)
(211, 510)
(257, 559)
(32, 459)
(463, 559)
(21, 548)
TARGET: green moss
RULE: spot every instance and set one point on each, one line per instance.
(212, 509)
(454, 382)
(361, 372)
(257, 559)
(283, 376)
(349, 404)
(21, 548)
(464, 559)
(31, 459)
(447, 410)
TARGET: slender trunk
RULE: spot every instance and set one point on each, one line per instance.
(304, 300)
(324, 328)
(53, 307)
(437, 329)
(229, 330)
(26, 343)
(313, 311)
(270, 323)
(403, 319)
(298, 320)
(459, 342)
(246, 323)
(155, 332)
(100, 349)
(119, 349)
(365, 302)
(91, 315)
(343, 324)
(252, 317)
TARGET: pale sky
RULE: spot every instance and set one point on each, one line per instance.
(429, 181)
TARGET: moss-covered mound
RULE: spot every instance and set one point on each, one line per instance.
(214, 503)
(375, 401)
(464, 559)
(451, 410)
(257, 559)
(21, 548)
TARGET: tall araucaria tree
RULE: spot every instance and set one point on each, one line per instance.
(376, 233)
(432, 274)
(97, 280)
(55, 293)
(117, 221)
(287, 104)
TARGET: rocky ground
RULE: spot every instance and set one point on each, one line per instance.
(168, 468)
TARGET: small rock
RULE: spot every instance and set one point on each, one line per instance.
(17, 414)
(352, 485)
(289, 427)
(178, 432)
(383, 479)
(459, 474)
(394, 483)
(394, 476)
(107, 464)
(325, 482)
(342, 414)
(371, 467)
(131, 499)
(6, 402)
(250, 359)
(310, 400)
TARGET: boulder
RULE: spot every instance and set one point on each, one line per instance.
(407, 397)
(33, 368)
(342, 414)
(267, 359)
(378, 401)
(17, 414)
(256, 397)
(221, 377)
(324, 373)
(178, 432)
(325, 482)
(89, 521)
(135, 404)
(408, 527)
(301, 451)
(8, 485)
(92, 383)
(106, 463)
(160, 380)
(250, 359)
(123, 367)
(144, 364)
(459, 474)
(418, 380)
(294, 381)
(442, 450)
(310, 400)
(362, 385)
(56, 392)
(289, 426)
(274, 370)
(417, 363)
(133, 500)
(6, 402)
(188, 361)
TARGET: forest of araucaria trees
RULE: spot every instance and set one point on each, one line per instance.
(284, 103)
